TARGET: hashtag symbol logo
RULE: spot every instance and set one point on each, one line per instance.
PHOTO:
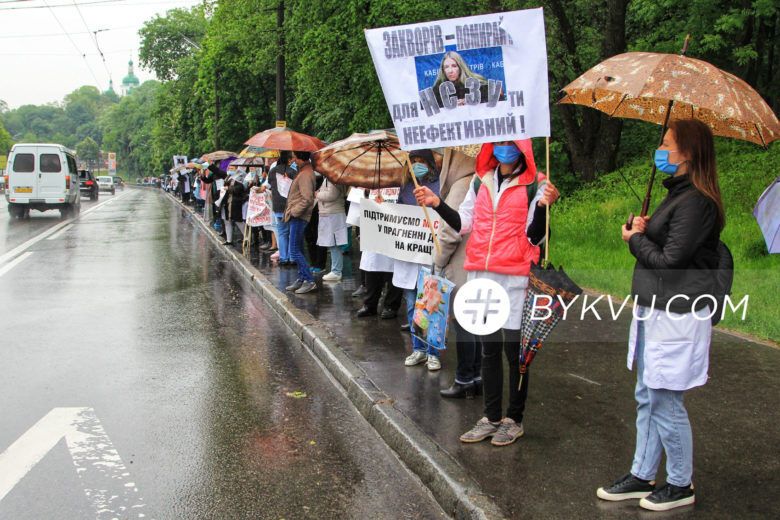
(481, 306)
(474, 312)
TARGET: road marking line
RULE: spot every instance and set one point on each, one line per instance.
(106, 481)
(585, 379)
(56, 235)
(18, 249)
(13, 263)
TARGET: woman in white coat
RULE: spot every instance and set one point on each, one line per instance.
(676, 251)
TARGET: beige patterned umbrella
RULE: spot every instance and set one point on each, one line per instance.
(219, 155)
(373, 160)
(642, 85)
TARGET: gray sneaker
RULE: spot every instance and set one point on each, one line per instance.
(507, 433)
(481, 431)
(295, 286)
(307, 287)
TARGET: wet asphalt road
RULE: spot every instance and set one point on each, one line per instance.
(198, 388)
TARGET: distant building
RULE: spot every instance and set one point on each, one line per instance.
(131, 81)
(110, 87)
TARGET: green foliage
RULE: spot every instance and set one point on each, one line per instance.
(5, 140)
(89, 151)
(166, 40)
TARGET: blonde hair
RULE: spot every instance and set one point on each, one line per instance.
(465, 70)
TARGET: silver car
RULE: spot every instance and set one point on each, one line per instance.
(106, 183)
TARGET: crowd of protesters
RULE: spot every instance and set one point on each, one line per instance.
(494, 208)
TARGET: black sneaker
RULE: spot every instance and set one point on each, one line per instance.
(626, 488)
(668, 497)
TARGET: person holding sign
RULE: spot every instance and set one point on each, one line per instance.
(300, 205)
(405, 273)
(280, 177)
(504, 210)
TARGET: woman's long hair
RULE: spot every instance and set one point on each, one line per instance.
(465, 70)
(694, 140)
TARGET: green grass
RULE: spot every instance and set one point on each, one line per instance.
(586, 232)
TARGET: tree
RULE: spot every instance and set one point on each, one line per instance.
(166, 40)
(5, 140)
(89, 151)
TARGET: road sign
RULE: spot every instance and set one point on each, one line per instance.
(281, 124)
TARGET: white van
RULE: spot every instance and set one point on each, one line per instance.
(42, 176)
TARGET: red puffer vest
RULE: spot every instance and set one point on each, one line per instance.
(498, 242)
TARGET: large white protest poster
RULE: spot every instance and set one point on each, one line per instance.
(399, 231)
(465, 80)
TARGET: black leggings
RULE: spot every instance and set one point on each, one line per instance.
(501, 342)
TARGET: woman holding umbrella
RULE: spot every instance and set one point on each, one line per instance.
(675, 252)
(504, 210)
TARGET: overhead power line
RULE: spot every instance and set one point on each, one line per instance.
(92, 2)
(97, 83)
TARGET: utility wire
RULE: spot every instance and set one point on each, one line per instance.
(97, 83)
(94, 39)
(93, 2)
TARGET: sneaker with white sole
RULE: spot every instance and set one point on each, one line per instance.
(668, 497)
(508, 432)
(307, 287)
(433, 364)
(626, 487)
(416, 358)
(481, 431)
(331, 277)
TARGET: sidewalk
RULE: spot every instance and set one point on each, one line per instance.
(579, 429)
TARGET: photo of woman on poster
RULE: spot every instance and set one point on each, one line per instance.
(453, 68)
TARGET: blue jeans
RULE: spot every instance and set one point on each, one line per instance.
(662, 425)
(411, 297)
(282, 231)
(297, 227)
(336, 259)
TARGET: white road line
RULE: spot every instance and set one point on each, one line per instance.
(13, 263)
(104, 476)
(585, 379)
(15, 251)
(56, 235)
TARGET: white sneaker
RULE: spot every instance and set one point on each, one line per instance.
(433, 364)
(416, 358)
(331, 277)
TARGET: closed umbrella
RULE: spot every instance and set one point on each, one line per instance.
(767, 213)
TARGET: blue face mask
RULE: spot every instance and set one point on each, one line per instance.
(294, 166)
(506, 154)
(419, 170)
(662, 162)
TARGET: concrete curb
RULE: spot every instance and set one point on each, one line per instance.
(455, 491)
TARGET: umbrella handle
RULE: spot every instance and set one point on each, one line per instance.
(425, 209)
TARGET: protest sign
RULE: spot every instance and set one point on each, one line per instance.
(432, 309)
(399, 231)
(179, 160)
(465, 80)
(258, 211)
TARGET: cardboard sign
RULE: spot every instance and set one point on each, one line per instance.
(399, 231)
(258, 211)
(465, 80)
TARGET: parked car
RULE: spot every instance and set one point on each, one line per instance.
(88, 185)
(119, 182)
(42, 176)
(106, 183)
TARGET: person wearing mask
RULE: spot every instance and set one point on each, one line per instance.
(676, 251)
(231, 208)
(405, 273)
(505, 214)
(300, 204)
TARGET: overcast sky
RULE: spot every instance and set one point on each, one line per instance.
(40, 64)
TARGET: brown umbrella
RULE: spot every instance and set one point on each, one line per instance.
(659, 87)
(219, 155)
(285, 139)
(372, 161)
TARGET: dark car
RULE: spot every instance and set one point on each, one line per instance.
(119, 182)
(88, 185)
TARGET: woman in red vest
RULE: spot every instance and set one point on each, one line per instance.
(505, 212)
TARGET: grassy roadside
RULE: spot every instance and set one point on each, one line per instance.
(586, 233)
